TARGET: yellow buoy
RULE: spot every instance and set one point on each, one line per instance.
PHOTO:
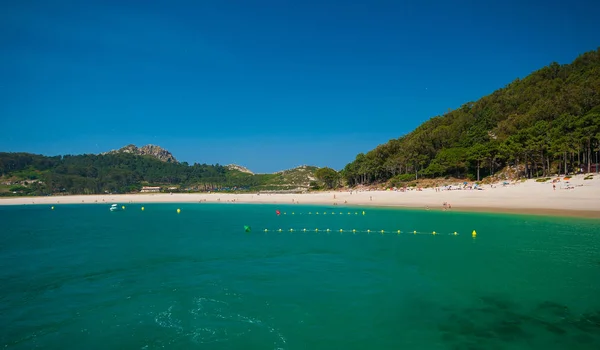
(398, 231)
(292, 213)
(368, 231)
(52, 207)
(279, 230)
(341, 230)
(291, 230)
(316, 230)
(382, 231)
(142, 208)
(123, 207)
(266, 230)
(363, 212)
(354, 231)
(415, 232)
(455, 233)
(304, 230)
(327, 230)
(178, 210)
(434, 233)
(474, 234)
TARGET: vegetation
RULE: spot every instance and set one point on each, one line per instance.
(546, 123)
(286, 180)
(30, 174)
(329, 177)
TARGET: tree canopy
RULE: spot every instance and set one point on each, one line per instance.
(546, 123)
(113, 173)
(328, 176)
(32, 174)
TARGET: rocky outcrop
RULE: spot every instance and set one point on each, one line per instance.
(148, 150)
(301, 168)
(239, 168)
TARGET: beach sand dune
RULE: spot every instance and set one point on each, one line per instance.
(573, 197)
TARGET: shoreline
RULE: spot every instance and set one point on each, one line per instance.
(577, 198)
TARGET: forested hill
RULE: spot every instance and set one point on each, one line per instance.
(546, 123)
(123, 172)
(27, 173)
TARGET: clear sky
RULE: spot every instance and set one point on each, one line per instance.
(265, 84)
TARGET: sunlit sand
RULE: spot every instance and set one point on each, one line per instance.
(578, 197)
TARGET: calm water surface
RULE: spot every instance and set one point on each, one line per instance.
(81, 277)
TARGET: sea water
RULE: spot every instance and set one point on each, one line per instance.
(82, 277)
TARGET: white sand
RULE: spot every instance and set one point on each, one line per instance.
(527, 197)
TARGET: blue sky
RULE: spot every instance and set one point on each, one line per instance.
(266, 84)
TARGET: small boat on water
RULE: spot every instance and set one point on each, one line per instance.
(114, 207)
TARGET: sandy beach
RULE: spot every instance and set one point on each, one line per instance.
(574, 197)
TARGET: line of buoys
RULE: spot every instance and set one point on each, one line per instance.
(322, 213)
(368, 231)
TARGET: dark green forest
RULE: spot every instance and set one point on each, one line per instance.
(112, 173)
(546, 123)
(32, 174)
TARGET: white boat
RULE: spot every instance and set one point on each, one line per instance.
(114, 207)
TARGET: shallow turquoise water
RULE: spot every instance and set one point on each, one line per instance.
(81, 277)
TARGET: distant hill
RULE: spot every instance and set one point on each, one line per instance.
(148, 150)
(129, 169)
(296, 178)
(545, 123)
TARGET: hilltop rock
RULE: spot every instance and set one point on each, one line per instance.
(239, 168)
(301, 168)
(148, 150)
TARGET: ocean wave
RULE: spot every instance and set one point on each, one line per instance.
(215, 321)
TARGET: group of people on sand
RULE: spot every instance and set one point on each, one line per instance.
(445, 206)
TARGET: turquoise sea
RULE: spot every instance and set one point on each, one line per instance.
(82, 277)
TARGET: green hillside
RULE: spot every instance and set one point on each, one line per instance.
(118, 172)
(546, 123)
(291, 179)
